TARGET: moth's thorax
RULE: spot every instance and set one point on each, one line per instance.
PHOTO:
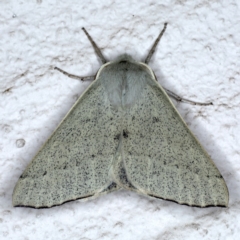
(124, 81)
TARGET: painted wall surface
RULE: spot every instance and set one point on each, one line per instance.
(198, 58)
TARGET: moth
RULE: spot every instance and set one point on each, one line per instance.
(123, 132)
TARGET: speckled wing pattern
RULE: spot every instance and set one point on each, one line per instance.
(75, 161)
(163, 159)
(122, 132)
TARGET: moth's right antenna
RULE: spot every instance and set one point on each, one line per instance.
(96, 48)
(155, 44)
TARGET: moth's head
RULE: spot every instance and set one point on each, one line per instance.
(124, 58)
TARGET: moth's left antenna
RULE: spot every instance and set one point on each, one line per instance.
(155, 44)
(96, 48)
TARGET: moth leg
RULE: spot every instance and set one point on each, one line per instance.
(180, 99)
(87, 78)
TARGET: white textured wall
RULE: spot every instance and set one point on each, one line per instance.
(198, 58)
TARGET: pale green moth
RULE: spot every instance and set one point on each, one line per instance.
(123, 132)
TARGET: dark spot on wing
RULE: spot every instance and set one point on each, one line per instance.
(155, 119)
(125, 133)
(117, 137)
